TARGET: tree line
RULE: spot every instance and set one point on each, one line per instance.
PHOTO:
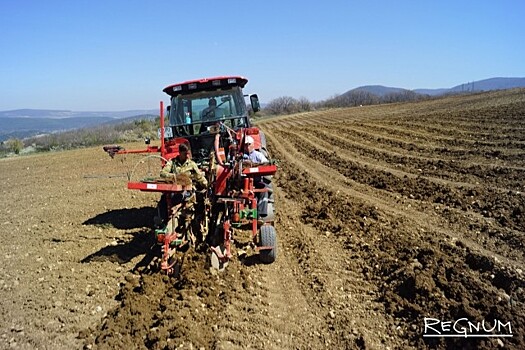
(353, 98)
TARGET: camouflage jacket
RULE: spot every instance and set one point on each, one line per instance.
(174, 166)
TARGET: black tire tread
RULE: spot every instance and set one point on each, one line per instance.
(268, 238)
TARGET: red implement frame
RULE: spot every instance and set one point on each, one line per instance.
(164, 239)
(239, 199)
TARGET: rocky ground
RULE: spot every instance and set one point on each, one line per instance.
(386, 215)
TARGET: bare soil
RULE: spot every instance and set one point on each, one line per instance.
(386, 215)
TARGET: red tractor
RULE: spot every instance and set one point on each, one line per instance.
(211, 117)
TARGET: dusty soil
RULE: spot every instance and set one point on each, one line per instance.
(386, 215)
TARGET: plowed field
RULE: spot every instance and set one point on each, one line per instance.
(386, 215)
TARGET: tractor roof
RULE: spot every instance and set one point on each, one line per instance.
(206, 84)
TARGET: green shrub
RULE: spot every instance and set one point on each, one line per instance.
(14, 145)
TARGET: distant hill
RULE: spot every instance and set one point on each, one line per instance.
(480, 85)
(378, 90)
(431, 92)
(373, 94)
(59, 114)
(370, 95)
(22, 123)
(490, 84)
(128, 119)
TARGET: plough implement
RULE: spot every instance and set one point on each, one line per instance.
(239, 192)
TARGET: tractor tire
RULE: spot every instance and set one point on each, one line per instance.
(268, 238)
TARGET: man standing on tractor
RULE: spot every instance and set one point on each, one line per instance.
(182, 164)
(255, 158)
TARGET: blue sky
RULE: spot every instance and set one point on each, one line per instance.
(90, 55)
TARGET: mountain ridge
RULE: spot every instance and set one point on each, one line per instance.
(497, 83)
(62, 113)
(23, 127)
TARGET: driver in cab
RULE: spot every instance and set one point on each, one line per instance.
(208, 115)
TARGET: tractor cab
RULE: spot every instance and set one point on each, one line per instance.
(199, 109)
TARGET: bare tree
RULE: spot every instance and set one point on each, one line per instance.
(304, 104)
(283, 105)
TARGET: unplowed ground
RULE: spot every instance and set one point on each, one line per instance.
(386, 215)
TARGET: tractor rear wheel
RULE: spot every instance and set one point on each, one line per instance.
(268, 239)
